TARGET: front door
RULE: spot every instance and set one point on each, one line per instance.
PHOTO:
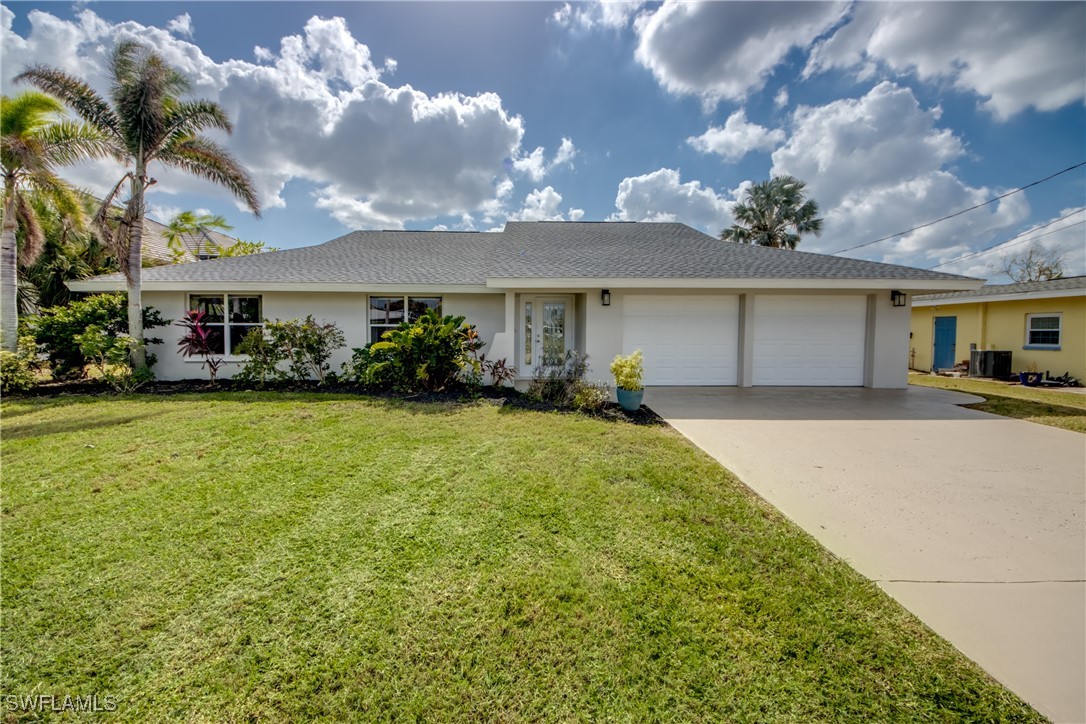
(548, 327)
(946, 333)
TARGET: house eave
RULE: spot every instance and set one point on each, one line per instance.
(914, 286)
(988, 298)
(110, 285)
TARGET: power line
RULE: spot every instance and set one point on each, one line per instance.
(963, 211)
(1017, 239)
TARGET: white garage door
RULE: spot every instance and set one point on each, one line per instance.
(809, 340)
(687, 340)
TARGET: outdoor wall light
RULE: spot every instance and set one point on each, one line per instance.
(898, 298)
(605, 297)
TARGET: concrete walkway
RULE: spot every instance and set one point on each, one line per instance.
(973, 522)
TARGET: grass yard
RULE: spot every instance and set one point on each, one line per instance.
(1047, 407)
(290, 557)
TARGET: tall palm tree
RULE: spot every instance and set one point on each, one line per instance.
(34, 140)
(147, 123)
(775, 213)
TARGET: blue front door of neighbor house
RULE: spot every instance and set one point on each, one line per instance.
(946, 331)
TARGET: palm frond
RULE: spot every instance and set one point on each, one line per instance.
(208, 160)
(27, 112)
(66, 142)
(75, 94)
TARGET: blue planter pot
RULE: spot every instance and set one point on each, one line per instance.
(629, 399)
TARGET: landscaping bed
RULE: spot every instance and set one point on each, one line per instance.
(457, 394)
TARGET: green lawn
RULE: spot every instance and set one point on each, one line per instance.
(1048, 407)
(289, 557)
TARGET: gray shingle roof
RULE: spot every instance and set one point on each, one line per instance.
(531, 250)
(668, 250)
(380, 257)
(995, 290)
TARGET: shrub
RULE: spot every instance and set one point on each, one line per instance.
(590, 397)
(559, 384)
(306, 345)
(111, 356)
(429, 354)
(500, 372)
(629, 371)
(358, 368)
(17, 368)
(264, 359)
(55, 329)
(197, 342)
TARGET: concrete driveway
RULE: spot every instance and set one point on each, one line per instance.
(973, 522)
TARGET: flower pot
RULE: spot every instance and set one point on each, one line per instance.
(630, 400)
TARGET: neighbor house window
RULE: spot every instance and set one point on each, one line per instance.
(229, 317)
(388, 312)
(1043, 330)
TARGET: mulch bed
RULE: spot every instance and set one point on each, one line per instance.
(505, 396)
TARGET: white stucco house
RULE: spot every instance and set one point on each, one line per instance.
(704, 311)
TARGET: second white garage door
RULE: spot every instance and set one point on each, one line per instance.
(687, 340)
(809, 340)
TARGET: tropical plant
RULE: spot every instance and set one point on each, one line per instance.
(775, 213)
(499, 370)
(590, 397)
(145, 123)
(191, 224)
(55, 328)
(629, 371)
(264, 358)
(559, 384)
(111, 356)
(307, 345)
(428, 355)
(198, 342)
(67, 253)
(17, 368)
(241, 248)
(34, 140)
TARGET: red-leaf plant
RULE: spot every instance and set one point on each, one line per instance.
(197, 342)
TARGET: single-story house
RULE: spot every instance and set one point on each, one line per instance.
(1040, 323)
(703, 311)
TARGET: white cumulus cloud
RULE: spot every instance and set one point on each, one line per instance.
(1013, 54)
(536, 167)
(878, 165)
(316, 110)
(737, 138)
(544, 205)
(181, 25)
(726, 50)
(663, 196)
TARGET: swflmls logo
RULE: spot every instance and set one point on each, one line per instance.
(51, 702)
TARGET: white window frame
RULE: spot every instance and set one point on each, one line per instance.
(226, 324)
(370, 326)
(1030, 330)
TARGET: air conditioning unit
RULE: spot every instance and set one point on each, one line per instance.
(990, 363)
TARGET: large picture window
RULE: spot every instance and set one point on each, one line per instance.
(387, 313)
(1043, 330)
(229, 317)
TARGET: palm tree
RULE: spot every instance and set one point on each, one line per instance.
(147, 123)
(774, 213)
(193, 225)
(34, 140)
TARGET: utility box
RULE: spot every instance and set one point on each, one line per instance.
(990, 363)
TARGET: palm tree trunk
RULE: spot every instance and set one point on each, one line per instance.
(9, 273)
(135, 270)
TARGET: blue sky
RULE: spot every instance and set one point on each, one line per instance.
(466, 115)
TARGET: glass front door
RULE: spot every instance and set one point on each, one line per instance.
(548, 327)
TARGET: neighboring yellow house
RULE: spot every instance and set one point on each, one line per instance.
(1040, 323)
